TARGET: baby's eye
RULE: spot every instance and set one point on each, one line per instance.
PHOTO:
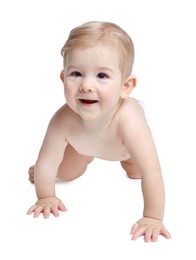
(76, 74)
(102, 75)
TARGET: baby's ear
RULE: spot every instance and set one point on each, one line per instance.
(128, 86)
(62, 75)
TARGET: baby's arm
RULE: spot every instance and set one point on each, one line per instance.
(46, 167)
(139, 142)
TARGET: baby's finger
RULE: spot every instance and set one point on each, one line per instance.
(134, 228)
(140, 231)
(46, 211)
(155, 234)
(31, 210)
(165, 233)
(31, 169)
(61, 206)
(37, 211)
(148, 235)
(31, 177)
(55, 211)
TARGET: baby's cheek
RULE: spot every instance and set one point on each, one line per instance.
(68, 93)
(113, 96)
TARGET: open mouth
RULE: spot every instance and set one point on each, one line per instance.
(88, 101)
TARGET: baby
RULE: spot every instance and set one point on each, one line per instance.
(99, 120)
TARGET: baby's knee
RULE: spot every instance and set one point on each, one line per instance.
(70, 174)
(69, 171)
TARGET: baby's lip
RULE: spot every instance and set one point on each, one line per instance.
(88, 101)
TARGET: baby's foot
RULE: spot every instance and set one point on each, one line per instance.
(31, 174)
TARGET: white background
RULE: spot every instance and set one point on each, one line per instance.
(103, 204)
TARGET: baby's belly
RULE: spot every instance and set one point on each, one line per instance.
(114, 157)
(113, 154)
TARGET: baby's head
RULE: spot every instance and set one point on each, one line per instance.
(89, 34)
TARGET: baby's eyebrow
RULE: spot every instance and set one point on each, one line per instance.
(104, 69)
(72, 67)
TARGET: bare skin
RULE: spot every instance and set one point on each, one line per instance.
(69, 171)
(95, 124)
(65, 171)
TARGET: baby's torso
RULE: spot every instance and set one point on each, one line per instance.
(108, 146)
(104, 143)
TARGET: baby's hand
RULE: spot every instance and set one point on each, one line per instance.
(46, 206)
(150, 228)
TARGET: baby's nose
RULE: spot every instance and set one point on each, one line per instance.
(86, 86)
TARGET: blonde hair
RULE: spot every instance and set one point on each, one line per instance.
(89, 34)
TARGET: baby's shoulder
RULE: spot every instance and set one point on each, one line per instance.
(132, 106)
(62, 112)
(132, 112)
(62, 115)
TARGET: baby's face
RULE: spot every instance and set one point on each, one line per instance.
(93, 81)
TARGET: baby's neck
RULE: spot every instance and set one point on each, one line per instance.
(99, 125)
(96, 125)
(102, 123)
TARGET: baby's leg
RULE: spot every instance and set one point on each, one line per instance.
(131, 169)
(72, 166)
